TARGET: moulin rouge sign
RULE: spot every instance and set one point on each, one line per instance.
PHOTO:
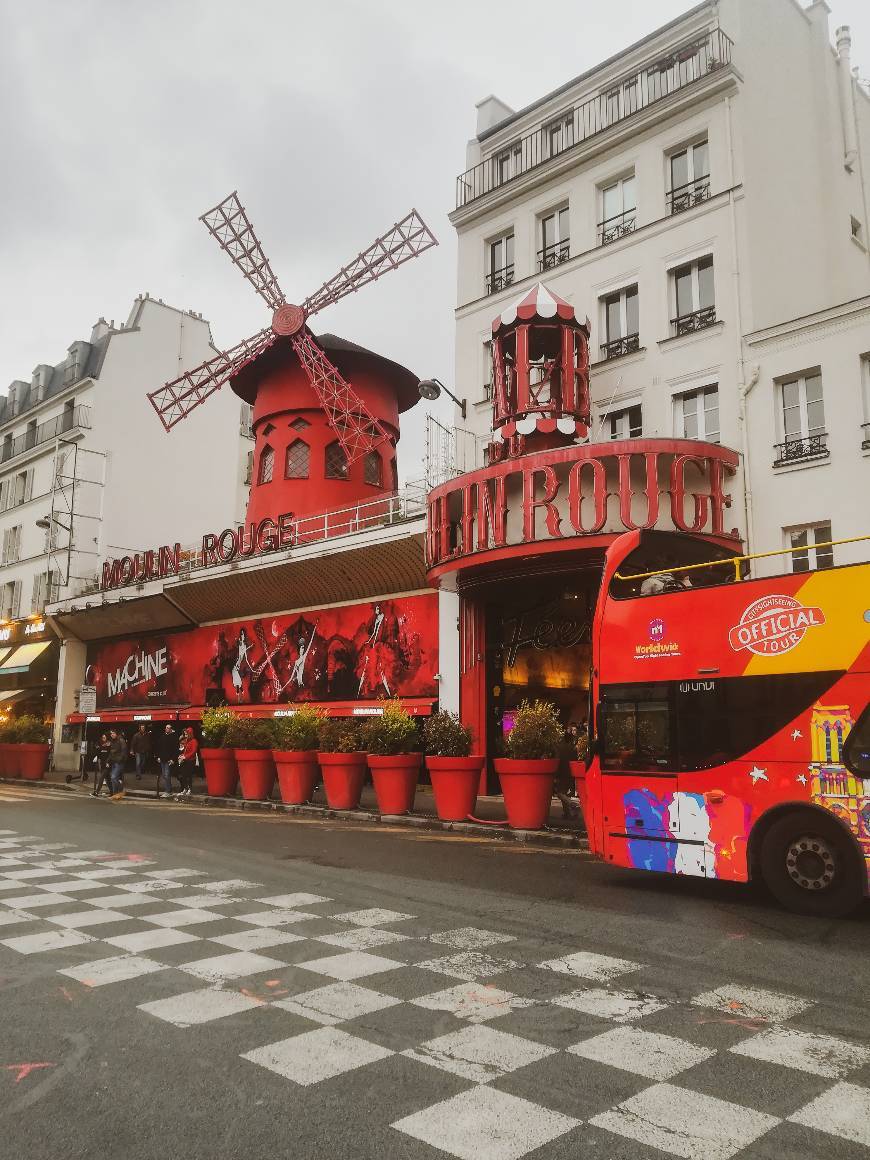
(566, 492)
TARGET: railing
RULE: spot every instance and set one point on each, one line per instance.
(865, 442)
(45, 432)
(613, 228)
(628, 344)
(555, 255)
(487, 392)
(797, 450)
(685, 196)
(624, 98)
(499, 279)
(697, 320)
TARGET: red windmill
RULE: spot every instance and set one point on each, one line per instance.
(306, 413)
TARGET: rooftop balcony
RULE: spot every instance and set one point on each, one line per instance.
(66, 424)
(621, 100)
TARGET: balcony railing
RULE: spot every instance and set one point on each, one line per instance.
(613, 228)
(621, 100)
(628, 344)
(798, 450)
(697, 320)
(865, 442)
(685, 196)
(78, 417)
(554, 255)
(499, 279)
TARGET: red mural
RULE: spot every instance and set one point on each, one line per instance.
(356, 652)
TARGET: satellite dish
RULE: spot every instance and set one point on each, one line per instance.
(429, 389)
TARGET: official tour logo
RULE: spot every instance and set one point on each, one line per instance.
(774, 625)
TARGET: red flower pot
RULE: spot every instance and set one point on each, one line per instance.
(578, 772)
(527, 786)
(454, 784)
(297, 773)
(221, 772)
(32, 760)
(395, 779)
(4, 759)
(12, 759)
(343, 777)
(256, 773)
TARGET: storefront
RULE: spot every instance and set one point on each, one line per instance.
(28, 668)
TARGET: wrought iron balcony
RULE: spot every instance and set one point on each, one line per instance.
(628, 344)
(487, 392)
(865, 442)
(74, 419)
(554, 255)
(617, 226)
(624, 98)
(801, 449)
(499, 279)
(697, 320)
(685, 196)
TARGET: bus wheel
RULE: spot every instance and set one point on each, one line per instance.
(810, 867)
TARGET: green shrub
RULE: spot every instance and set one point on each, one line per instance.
(30, 730)
(537, 732)
(7, 731)
(339, 735)
(444, 735)
(251, 733)
(391, 732)
(216, 724)
(300, 731)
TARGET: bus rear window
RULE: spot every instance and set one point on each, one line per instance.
(856, 751)
(636, 735)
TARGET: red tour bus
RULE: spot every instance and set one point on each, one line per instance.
(731, 721)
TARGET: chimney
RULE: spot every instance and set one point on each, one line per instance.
(490, 111)
(850, 136)
(100, 330)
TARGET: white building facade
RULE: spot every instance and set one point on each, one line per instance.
(703, 198)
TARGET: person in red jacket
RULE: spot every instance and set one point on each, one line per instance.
(187, 751)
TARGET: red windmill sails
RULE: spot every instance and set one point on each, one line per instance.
(357, 430)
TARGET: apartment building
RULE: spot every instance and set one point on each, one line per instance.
(702, 198)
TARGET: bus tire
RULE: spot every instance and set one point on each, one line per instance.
(811, 867)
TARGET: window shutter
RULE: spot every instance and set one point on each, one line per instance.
(36, 601)
(28, 485)
(16, 598)
(4, 495)
(6, 545)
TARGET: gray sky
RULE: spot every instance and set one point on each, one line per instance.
(122, 122)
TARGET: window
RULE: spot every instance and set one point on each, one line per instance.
(46, 589)
(71, 369)
(10, 599)
(694, 296)
(626, 424)
(807, 540)
(336, 466)
(245, 419)
(507, 164)
(690, 177)
(69, 414)
(555, 239)
(267, 464)
(698, 414)
(487, 371)
(300, 424)
(559, 134)
(856, 751)
(249, 467)
(373, 469)
(298, 460)
(23, 488)
(803, 419)
(621, 323)
(7, 446)
(637, 731)
(856, 229)
(11, 545)
(30, 435)
(500, 267)
(618, 210)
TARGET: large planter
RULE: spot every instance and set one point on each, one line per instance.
(297, 774)
(11, 759)
(395, 780)
(455, 782)
(527, 786)
(32, 760)
(221, 772)
(5, 770)
(343, 777)
(256, 773)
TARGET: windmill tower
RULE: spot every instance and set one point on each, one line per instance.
(319, 442)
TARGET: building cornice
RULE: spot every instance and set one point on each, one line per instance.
(809, 327)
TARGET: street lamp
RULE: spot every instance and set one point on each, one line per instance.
(431, 389)
(46, 522)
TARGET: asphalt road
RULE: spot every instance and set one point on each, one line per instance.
(177, 981)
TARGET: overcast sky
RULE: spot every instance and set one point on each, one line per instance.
(123, 121)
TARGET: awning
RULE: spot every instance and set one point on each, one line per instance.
(416, 706)
(109, 716)
(21, 658)
(14, 695)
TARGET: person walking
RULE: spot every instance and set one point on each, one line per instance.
(118, 752)
(140, 747)
(101, 765)
(188, 749)
(167, 753)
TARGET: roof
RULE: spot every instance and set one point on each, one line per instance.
(93, 352)
(539, 302)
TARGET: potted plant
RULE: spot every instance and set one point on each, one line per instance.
(528, 769)
(252, 739)
(342, 761)
(455, 774)
(8, 760)
(218, 757)
(31, 743)
(295, 753)
(393, 746)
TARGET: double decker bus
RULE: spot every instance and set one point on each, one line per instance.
(730, 721)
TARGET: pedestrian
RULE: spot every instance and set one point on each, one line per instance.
(140, 747)
(167, 753)
(187, 759)
(564, 780)
(101, 765)
(118, 752)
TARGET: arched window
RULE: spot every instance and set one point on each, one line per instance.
(267, 464)
(298, 459)
(336, 466)
(373, 469)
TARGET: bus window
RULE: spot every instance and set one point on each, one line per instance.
(856, 751)
(667, 553)
(636, 733)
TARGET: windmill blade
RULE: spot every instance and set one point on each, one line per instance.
(232, 228)
(174, 401)
(358, 431)
(407, 239)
